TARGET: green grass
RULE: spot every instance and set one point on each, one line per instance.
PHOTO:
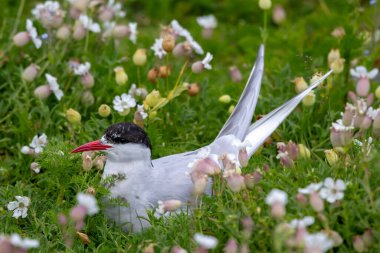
(299, 47)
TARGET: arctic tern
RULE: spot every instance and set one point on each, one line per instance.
(142, 182)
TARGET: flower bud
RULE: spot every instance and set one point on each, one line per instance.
(235, 74)
(332, 157)
(316, 202)
(35, 167)
(338, 32)
(300, 198)
(153, 74)
(63, 33)
(177, 249)
(200, 185)
(42, 91)
(303, 151)
(278, 210)
(88, 153)
(149, 248)
(99, 162)
(231, 109)
(120, 76)
(164, 71)
(74, 13)
(370, 99)
(352, 96)
(138, 119)
(225, 99)
(83, 237)
(278, 15)
(333, 55)
(73, 116)
(366, 123)
(197, 67)
(358, 244)
(316, 77)
(80, 5)
(362, 87)
(104, 110)
(87, 98)
(377, 92)
(292, 149)
(21, 39)
(309, 99)
(265, 4)
(337, 66)
(368, 238)
(168, 41)
(153, 98)
(193, 89)
(78, 212)
(120, 31)
(139, 58)
(235, 182)
(182, 49)
(30, 73)
(62, 220)
(243, 157)
(87, 80)
(79, 32)
(336, 238)
(169, 205)
(91, 190)
(348, 115)
(231, 246)
(300, 84)
(87, 163)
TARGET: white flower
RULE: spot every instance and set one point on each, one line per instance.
(54, 86)
(206, 61)
(140, 109)
(205, 241)
(123, 102)
(361, 72)
(276, 195)
(82, 69)
(89, 24)
(305, 222)
(180, 31)
(208, 22)
(314, 187)
(26, 243)
(132, 32)
(339, 126)
(116, 8)
(25, 150)
(38, 143)
(48, 6)
(89, 201)
(33, 33)
(157, 48)
(372, 112)
(19, 207)
(317, 242)
(332, 190)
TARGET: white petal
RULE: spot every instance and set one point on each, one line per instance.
(340, 185)
(354, 73)
(373, 73)
(208, 242)
(324, 193)
(12, 205)
(329, 182)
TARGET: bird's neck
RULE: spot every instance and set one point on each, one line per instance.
(128, 159)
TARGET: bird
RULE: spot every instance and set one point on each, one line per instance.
(138, 183)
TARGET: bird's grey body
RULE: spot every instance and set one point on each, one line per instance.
(142, 183)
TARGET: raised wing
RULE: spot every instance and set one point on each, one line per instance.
(241, 118)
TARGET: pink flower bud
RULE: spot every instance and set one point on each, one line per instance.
(281, 147)
(197, 67)
(78, 212)
(235, 74)
(278, 14)
(243, 157)
(358, 120)
(235, 182)
(348, 115)
(200, 184)
(247, 224)
(370, 99)
(368, 238)
(74, 13)
(6, 246)
(30, 73)
(366, 123)
(79, 225)
(337, 239)
(87, 98)
(292, 149)
(316, 202)
(285, 160)
(35, 167)
(87, 163)
(80, 5)
(106, 14)
(231, 246)
(63, 33)
(362, 87)
(252, 179)
(21, 39)
(207, 33)
(42, 91)
(120, 31)
(301, 232)
(177, 249)
(182, 49)
(51, 20)
(169, 205)
(300, 198)
(352, 97)
(87, 80)
(99, 162)
(278, 210)
(376, 121)
(79, 32)
(358, 244)
(62, 220)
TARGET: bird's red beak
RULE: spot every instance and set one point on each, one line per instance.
(91, 146)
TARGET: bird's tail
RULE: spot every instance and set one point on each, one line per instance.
(240, 119)
(263, 128)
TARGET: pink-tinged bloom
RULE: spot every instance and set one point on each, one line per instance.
(340, 135)
(231, 246)
(199, 66)
(235, 74)
(180, 31)
(78, 213)
(19, 207)
(235, 182)
(316, 202)
(89, 24)
(277, 199)
(359, 244)
(88, 201)
(168, 205)
(49, 14)
(332, 190)
(363, 76)
(317, 243)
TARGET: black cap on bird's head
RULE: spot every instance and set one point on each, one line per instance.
(120, 133)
